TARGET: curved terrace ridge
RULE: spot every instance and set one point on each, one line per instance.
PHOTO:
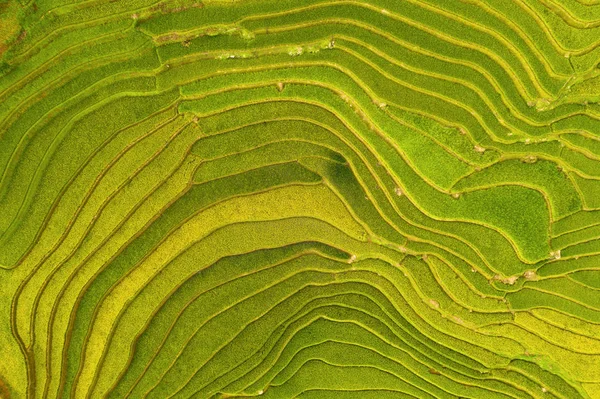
(317, 199)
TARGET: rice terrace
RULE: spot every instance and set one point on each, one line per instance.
(370, 199)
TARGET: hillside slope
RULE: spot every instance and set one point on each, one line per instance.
(316, 199)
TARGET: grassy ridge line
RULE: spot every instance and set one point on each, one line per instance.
(354, 102)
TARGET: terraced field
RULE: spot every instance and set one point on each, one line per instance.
(316, 199)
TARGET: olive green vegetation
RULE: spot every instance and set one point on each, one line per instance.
(316, 199)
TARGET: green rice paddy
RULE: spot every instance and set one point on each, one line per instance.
(312, 199)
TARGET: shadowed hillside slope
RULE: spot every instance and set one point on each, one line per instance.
(316, 199)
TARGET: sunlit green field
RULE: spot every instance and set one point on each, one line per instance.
(300, 198)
